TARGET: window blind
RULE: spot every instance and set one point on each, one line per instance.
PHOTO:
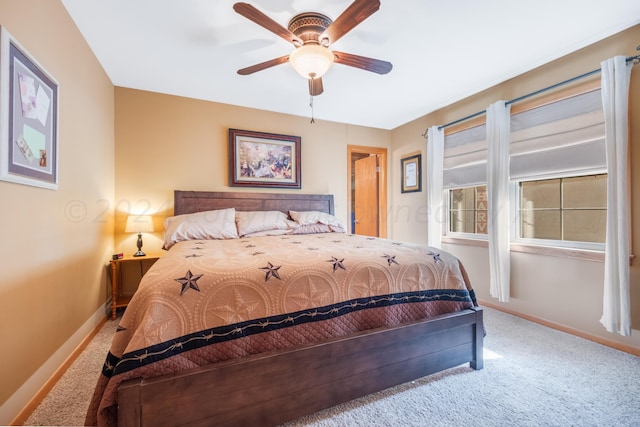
(465, 158)
(565, 136)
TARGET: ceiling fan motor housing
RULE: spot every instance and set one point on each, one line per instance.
(309, 26)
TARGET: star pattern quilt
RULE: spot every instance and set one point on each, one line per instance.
(212, 300)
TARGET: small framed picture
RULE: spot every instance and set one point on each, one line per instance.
(411, 173)
(28, 118)
(259, 159)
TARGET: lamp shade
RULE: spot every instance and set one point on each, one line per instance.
(139, 224)
(311, 61)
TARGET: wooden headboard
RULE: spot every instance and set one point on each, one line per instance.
(186, 202)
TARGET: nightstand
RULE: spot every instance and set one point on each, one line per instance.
(118, 300)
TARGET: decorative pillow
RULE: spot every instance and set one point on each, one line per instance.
(315, 217)
(268, 233)
(218, 224)
(313, 229)
(254, 221)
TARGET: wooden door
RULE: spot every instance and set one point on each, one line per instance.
(366, 196)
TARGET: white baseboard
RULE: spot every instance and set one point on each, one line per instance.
(21, 398)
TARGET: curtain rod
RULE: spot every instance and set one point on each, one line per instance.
(635, 59)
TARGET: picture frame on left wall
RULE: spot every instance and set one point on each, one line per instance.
(28, 118)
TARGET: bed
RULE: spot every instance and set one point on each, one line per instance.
(284, 340)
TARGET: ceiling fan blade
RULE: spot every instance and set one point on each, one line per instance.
(315, 86)
(362, 62)
(357, 12)
(263, 65)
(253, 14)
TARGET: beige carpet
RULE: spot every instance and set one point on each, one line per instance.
(67, 403)
(533, 376)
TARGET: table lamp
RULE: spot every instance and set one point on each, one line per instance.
(139, 224)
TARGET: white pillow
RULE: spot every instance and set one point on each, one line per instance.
(315, 217)
(217, 224)
(253, 221)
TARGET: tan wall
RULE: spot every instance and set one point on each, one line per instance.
(166, 143)
(407, 212)
(55, 242)
(560, 290)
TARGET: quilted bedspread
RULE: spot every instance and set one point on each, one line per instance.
(212, 300)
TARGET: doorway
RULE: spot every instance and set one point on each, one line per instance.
(371, 216)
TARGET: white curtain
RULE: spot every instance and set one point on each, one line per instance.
(435, 203)
(616, 316)
(498, 139)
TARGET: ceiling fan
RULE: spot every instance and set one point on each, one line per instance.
(312, 33)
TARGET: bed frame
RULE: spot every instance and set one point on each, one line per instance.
(272, 388)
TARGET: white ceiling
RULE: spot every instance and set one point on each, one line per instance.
(441, 50)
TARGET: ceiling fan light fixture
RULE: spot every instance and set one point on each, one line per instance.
(311, 60)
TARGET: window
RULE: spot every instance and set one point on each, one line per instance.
(465, 178)
(557, 169)
(570, 209)
(468, 210)
(558, 165)
(563, 212)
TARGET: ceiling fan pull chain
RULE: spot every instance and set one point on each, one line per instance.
(311, 105)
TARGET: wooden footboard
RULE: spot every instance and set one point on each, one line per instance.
(269, 389)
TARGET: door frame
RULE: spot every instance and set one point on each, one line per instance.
(382, 183)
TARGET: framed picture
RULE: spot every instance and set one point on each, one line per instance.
(28, 118)
(411, 173)
(259, 159)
